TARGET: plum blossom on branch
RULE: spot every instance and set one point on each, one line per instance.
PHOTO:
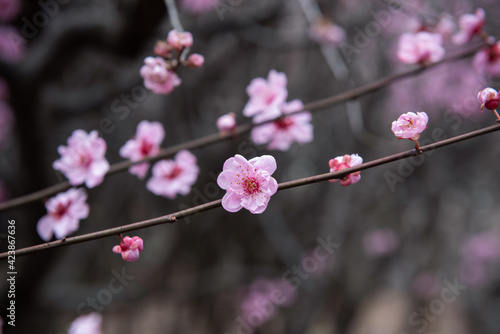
(470, 25)
(129, 248)
(146, 143)
(172, 177)
(420, 48)
(248, 183)
(157, 77)
(410, 125)
(64, 213)
(283, 132)
(83, 160)
(343, 162)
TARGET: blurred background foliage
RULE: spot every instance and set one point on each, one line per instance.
(398, 243)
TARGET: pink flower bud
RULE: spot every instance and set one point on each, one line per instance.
(488, 98)
(410, 125)
(180, 40)
(129, 248)
(163, 49)
(226, 123)
(195, 60)
(343, 162)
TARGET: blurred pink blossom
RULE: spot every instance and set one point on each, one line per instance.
(473, 273)
(470, 25)
(180, 40)
(195, 60)
(266, 96)
(262, 299)
(156, 76)
(86, 324)
(172, 177)
(325, 32)
(380, 242)
(163, 49)
(420, 48)
(83, 160)
(129, 248)
(249, 184)
(146, 143)
(199, 6)
(282, 133)
(12, 44)
(9, 9)
(426, 284)
(488, 98)
(343, 162)
(410, 125)
(64, 212)
(487, 60)
(446, 26)
(226, 123)
(6, 123)
(482, 247)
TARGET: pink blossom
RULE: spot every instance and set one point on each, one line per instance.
(226, 123)
(380, 242)
(488, 98)
(9, 9)
(86, 324)
(156, 76)
(12, 44)
(410, 125)
(425, 284)
(325, 32)
(482, 247)
(422, 48)
(129, 248)
(248, 184)
(180, 40)
(470, 25)
(199, 6)
(146, 143)
(282, 133)
(473, 273)
(266, 96)
(343, 162)
(163, 49)
(195, 60)
(172, 177)
(6, 123)
(83, 160)
(64, 212)
(446, 27)
(263, 295)
(487, 61)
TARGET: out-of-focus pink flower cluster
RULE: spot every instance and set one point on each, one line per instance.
(83, 160)
(64, 212)
(249, 184)
(159, 72)
(12, 43)
(380, 242)
(487, 60)
(325, 32)
(267, 102)
(86, 324)
(479, 253)
(343, 162)
(470, 25)
(425, 285)
(198, 6)
(262, 299)
(420, 48)
(129, 248)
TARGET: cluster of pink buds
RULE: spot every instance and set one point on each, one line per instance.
(159, 72)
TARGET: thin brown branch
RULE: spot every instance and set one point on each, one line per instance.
(172, 218)
(216, 138)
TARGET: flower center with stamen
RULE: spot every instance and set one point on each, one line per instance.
(283, 124)
(250, 185)
(61, 210)
(146, 148)
(174, 173)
